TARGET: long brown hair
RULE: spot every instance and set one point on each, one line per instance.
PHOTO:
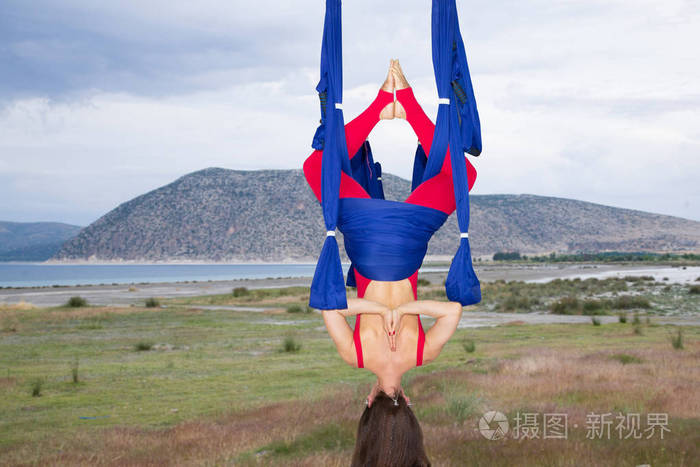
(389, 435)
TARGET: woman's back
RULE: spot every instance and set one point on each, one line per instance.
(371, 341)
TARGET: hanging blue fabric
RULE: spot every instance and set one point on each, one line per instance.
(366, 172)
(419, 162)
(327, 286)
(387, 240)
(369, 175)
(457, 124)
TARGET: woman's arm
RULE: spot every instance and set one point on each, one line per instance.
(340, 330)
(447, 316)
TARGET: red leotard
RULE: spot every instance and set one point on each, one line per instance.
(436, 193)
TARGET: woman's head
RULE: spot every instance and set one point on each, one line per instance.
(389, 435)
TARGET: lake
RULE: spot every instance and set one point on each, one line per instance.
(16, 274)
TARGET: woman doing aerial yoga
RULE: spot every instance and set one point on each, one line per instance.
(385, 240)
(388, 338)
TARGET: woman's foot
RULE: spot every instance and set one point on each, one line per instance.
(387, 112)
(399, 78)
(400, 83)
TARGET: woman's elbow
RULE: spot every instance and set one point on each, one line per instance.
(456, 308)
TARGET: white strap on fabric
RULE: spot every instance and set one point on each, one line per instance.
(379, 178)
(339, 105)
(443, 100)
(464, 235)
(330, 233)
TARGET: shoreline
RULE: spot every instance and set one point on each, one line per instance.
(132, 292)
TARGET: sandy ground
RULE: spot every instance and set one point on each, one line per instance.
(126, 294)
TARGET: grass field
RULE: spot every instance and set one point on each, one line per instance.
(182, 385)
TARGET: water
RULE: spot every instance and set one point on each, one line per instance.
(41, 274)
(676, 275)
(16, 274)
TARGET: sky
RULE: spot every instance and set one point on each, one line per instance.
(100, 102)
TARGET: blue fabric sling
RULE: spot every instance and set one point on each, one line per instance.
(369, 175)
(387, 240)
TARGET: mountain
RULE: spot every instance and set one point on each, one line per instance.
(33, 241)
(219, 214)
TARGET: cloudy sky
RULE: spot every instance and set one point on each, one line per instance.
(597, 100)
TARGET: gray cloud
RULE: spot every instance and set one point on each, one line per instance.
(587, 99)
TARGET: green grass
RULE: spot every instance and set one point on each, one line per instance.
(212, 362)
(333, 437)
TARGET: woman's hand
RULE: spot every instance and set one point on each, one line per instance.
(390, 325)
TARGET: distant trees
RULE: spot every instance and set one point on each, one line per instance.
(605, 256)
(506, 256)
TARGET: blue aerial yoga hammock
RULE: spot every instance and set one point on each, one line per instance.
(387, 240)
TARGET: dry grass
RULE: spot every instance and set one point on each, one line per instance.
(21, 305)
(60, 314)
(570, 381)
(194, 442)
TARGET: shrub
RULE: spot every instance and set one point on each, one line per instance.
(637, 278)
(595, 321)
(298, 309)
(76, 302)
(74, 370)
(290, 345)
(622, 317)
(240, 292)
(516, 302)
(423, 282)
(37, 385)
(677, 340)
(594, 307)
(461, 407)
(626, 302)
(636, 320)
(152, 303)
(143, 346)
(468, 345)
(626, 358)
(566, 306)
(694, 290)
(638, 329)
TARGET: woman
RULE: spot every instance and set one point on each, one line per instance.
(388, 338)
